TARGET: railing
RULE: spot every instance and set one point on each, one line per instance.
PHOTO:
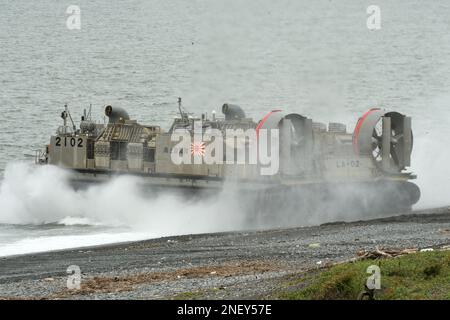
(40, 157)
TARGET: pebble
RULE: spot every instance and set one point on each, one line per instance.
(22, 276)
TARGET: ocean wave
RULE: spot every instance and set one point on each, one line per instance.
(78, 221)
(52, 243)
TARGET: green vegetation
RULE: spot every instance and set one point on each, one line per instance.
(188, 296)
(424, 275)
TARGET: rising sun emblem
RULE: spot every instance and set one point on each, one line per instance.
(198, 149)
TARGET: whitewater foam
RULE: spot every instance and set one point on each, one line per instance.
(44, 244)
(42, 195)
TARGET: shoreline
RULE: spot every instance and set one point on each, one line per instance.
(399, 217)
(236, 265)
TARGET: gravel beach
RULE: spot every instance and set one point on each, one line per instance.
(236, 265)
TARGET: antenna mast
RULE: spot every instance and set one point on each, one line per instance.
(90, 110)
(180, 109)
(64, 116)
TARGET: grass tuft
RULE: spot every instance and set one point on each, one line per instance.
(423, 275)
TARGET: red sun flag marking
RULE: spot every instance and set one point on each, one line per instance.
(198, 149)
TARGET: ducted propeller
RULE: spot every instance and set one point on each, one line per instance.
(387, 136)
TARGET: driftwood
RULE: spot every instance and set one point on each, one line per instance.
(384, 253)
